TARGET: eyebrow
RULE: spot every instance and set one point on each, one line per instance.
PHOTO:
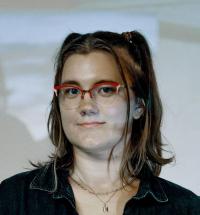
(78, 84)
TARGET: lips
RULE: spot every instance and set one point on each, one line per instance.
(90, 124)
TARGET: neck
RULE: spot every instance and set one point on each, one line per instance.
(94, 171)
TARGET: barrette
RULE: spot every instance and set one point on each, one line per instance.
(128, 36)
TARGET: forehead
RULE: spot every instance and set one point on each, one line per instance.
(90, 68)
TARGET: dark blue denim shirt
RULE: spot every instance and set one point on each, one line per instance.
(31, 193)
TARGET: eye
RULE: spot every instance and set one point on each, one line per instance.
(107, 90)
(70, 92)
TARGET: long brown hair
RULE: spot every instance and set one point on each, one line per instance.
(133, 57)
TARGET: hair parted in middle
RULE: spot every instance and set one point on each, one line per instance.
(132, 54)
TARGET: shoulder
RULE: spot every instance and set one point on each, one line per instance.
(19, 178)
(179, 195)
(16, 184)
(173, 189)
(16, 192)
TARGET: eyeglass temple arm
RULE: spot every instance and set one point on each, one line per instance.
(55, 91)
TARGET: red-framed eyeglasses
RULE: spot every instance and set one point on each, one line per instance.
(103, 93)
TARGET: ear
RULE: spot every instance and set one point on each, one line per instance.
(138, 108)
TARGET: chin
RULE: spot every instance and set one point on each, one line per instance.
(94, 145)
(91, 143)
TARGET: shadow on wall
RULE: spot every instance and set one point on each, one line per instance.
(17, 144)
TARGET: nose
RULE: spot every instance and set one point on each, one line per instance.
(87, 106)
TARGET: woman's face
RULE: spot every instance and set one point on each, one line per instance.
(86, 70)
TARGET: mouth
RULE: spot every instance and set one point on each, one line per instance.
(90, 124)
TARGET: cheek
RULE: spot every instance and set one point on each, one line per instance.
(68, 119)
(116, 115)
(116, 119)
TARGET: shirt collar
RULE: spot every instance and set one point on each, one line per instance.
(150, 186)
(45, 180)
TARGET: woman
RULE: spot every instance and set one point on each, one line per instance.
(105, 124)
